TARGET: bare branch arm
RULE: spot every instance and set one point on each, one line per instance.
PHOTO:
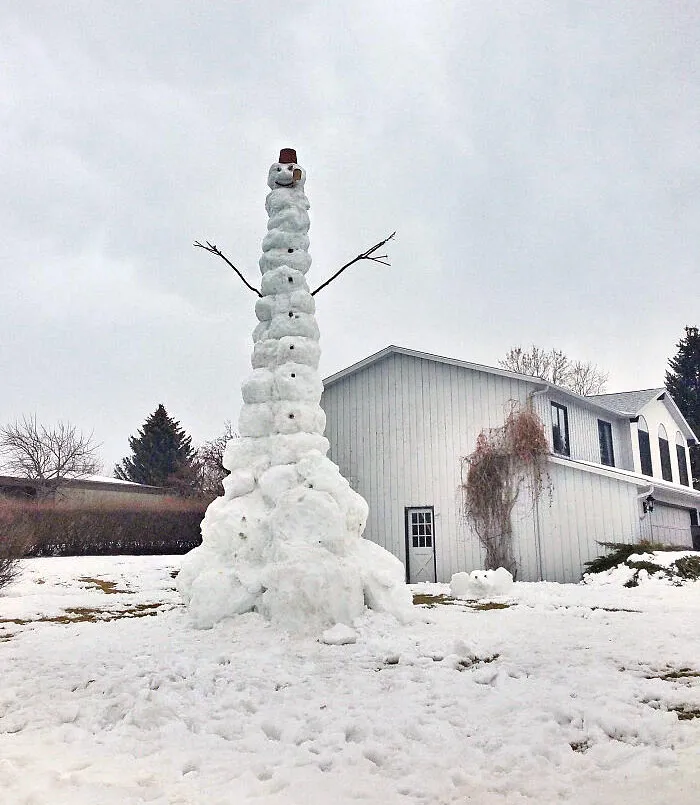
(212, 249)
(367, 255)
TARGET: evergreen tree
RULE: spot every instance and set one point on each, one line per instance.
(162, 455)
(683, 383)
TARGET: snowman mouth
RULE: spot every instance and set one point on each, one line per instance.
(284, 184)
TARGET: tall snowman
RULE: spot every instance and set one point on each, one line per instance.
(285, 539)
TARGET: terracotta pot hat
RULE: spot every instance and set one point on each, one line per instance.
(288, 156)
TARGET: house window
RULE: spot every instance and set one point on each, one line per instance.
(560, 429)
(644, 446)
(682, 463)
(665, 454)
(605, 439)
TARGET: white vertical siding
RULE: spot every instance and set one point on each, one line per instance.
(670, 525)
(399, 427)
(586, 508)
(583, 429)
(583, 432)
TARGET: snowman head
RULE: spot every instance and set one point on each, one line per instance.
(286, 172)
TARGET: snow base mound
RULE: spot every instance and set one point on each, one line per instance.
(481, 583)
(292, 551)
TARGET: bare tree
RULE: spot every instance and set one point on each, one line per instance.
(47, 455)
(554, 366)
(209, 462)
(586, 378)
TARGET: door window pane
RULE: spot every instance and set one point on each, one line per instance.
(421, 532)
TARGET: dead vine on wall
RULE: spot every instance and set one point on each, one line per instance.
(505, 460)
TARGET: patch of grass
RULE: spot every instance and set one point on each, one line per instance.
(107, 587)
(428, 600)
(680, 673)
(90, 615)
(462, 665)
(683, 673)
(580, 746)
(174, 574)
(471, 662)
(686, 713)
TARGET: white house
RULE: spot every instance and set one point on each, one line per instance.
(400, 421)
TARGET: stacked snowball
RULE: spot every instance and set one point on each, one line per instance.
(285, 539)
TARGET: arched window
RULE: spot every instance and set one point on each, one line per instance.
(644, 446)
(682, 461)
(665, 454)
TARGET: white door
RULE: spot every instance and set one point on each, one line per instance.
(420, 544)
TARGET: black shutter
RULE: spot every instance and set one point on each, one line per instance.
(666, 473)
(682, 466)
(645, 452)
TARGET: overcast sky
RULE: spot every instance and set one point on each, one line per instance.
(540, 162)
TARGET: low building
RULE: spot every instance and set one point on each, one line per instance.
(400, 421)
(91, 490)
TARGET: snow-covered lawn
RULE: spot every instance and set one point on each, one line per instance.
(580, 694)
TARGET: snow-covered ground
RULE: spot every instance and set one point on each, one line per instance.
(108, 695)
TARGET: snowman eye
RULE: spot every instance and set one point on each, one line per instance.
(279, 169)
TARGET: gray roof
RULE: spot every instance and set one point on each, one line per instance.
(623, 404)
(628, 402)
(537, 382)
(88, 482)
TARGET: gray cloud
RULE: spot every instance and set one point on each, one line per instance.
(539, 161)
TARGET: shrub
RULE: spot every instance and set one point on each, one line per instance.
(14, 539)
(688, 567)
(619, 552)
(168, 526)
